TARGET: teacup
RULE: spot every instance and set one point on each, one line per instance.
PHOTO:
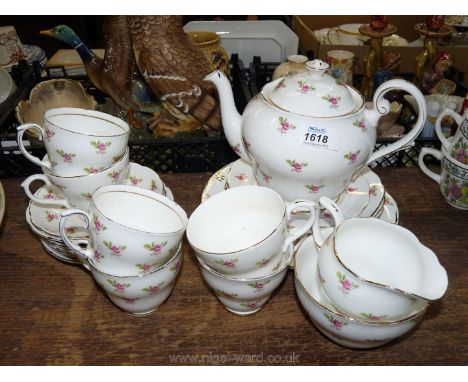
(141, 294)
(453, 178)
(368, 267)
(132, 230)
(77, 190)
(243, 231)
(341, 65)
(358, 333)
(78, 141)
(457, 146)
(245, 296)
(346, 34)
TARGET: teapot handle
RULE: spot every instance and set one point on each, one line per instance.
(382, 107)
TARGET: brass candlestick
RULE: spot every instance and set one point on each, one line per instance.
(374, 57)
(429, 51)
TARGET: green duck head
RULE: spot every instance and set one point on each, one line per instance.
(63, 33)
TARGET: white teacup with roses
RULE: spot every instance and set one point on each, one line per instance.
(132, 230)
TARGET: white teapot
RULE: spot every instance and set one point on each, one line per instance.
(307, 134)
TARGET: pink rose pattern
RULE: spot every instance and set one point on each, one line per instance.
(360, 123)
(155, 248)
(222, 293)
(230, 264)
(114, 249)
(175, 267)
(242, 177)
(237, 149)
(296, 166)
(143, 267)
(280, 85)
(352, 157)
(314, 188)
(335, 323)
(114, 175)
(249, 304)
(100, 147)
(263, 263)
(265, 177)
(98, 226)
(345, 284)
(134, 180)
(93, 170)
(373, 317)
(373, 190)
(98, 256)
(118, 287)
(67, 157)
(50, 195)
(304, 87)
(154, 186)
(258, 286)
(285, 126)
(152, 289)
(51, 216)
(49, 134)
(333, 101)
(459, 151)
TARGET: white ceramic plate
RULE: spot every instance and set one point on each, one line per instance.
(272, 40)
(59, 253)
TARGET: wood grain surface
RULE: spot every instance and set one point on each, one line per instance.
(52, 313)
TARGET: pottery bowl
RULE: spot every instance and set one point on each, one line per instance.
(369, 267)
(142, 294)
(53, 94)
(79, 189)
(7, 85)
(245, 296)
(343, 329)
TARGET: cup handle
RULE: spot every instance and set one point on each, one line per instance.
(297, 232)
(438, 128)
(26, 186)
(83, 254)
(21, 130)
(338, 217)
(382, 106)
(435, 153)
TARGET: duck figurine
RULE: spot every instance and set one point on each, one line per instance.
(175, 68)
(116, 74)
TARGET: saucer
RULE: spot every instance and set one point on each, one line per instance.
(363, 196)
(390, 211)
(60, 253)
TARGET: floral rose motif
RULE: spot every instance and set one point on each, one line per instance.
(130, 300)
(373, 190)
(280, 85)
(258, 286)
(86, 195)
(373, 317)
(115, 250)
(114, 175)
(118, 287)
(67, 157)
(250, 304)
(242, 177)
(454, 190)
(51, 216)
(175, 267)
(345, 284)
(352, 157)
(98, 226)
(152, 289)
(237, 149)
(296, 166)
(314, 188)
(98, 256)
(285, 126)
(101, 147)
(134, 180)
(459, 151)
(154, 186)
(322, 280)
(227, 263)
(155, 248)
(143, 267)
(333, 101)
(335, 323)
(222, 293)
(49, 134)
(92, 170)
(361, 124)
(50, 195)
(246, 144)
(263, 263)
(304, 87)
(265, 177)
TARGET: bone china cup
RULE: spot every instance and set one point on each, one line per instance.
(347, 331)
(371, 268)
(456, 146)
(79, 189)
(132, 230)
(453, 179)
(245, 296)
(142, 294)
(78, 141)
(242, 231)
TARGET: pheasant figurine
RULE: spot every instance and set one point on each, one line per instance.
(174, 67)
(117, 74)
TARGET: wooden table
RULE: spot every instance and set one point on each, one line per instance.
(53, 313)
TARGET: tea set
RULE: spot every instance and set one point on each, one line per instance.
(301, 195)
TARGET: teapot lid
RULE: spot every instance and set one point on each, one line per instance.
(313, 93)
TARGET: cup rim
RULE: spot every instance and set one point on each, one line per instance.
(343, 315)
(179, 249)
(275, 229)
(149, 194)
(47, 172)
(407, 232)
(240, 279)
(90, 114)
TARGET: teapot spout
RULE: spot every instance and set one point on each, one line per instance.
(232, 120)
